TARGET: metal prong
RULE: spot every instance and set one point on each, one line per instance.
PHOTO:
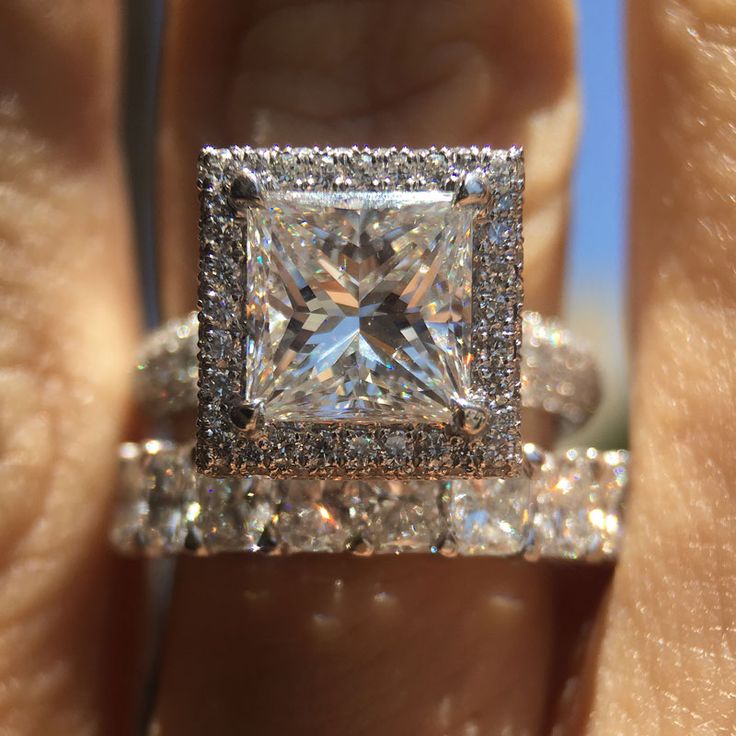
(470, 418)
(193, 542)
(471, 191)
(360, 547)
(267, 544)
(533, 459)
(248, 417)
(447, 546)
(531, 553)
(246, 191)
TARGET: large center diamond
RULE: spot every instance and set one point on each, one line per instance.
(358, 306)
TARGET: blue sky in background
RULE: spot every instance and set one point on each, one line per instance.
(598, 234)
(595, 304)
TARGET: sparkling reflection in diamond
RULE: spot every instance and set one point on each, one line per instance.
(490, 517)
(393, 517)
(358, 306)
(311, 517)
(579, 508)
(235, 512)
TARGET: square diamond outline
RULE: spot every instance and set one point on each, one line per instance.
(339, 449)
(412, 377)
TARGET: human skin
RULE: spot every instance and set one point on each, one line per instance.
(403, 645)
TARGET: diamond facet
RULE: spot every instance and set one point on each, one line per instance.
(234, 512)
(312, 517)
(158, 503)
(579, 505)
(358, 306)
(489, 517)
(394, 517)
(411, 520)
(576, 499)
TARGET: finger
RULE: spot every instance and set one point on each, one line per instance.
(66, 325)
(405, 645)
(475, 72)
(665, 662)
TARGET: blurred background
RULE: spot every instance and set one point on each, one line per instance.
(596, 277)
(595, 302)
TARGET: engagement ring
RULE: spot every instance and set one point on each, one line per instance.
(358, 364)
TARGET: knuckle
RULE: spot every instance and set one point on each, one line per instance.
(376, 74)
(382, 73)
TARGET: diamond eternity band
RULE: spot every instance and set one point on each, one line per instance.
(566, 505)
(559, 374)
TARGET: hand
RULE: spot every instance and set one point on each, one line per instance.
(402, 645)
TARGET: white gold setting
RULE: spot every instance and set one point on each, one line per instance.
(422, 249)
(566, 505)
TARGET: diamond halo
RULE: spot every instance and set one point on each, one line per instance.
(323, 428)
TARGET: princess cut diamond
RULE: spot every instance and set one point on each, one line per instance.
(490, 517)
(358, 306)
(579, 506)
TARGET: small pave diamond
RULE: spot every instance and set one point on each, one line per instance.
(358, 306)
(166, 369)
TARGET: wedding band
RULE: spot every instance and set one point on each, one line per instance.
(566, 505)
(559, 374)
